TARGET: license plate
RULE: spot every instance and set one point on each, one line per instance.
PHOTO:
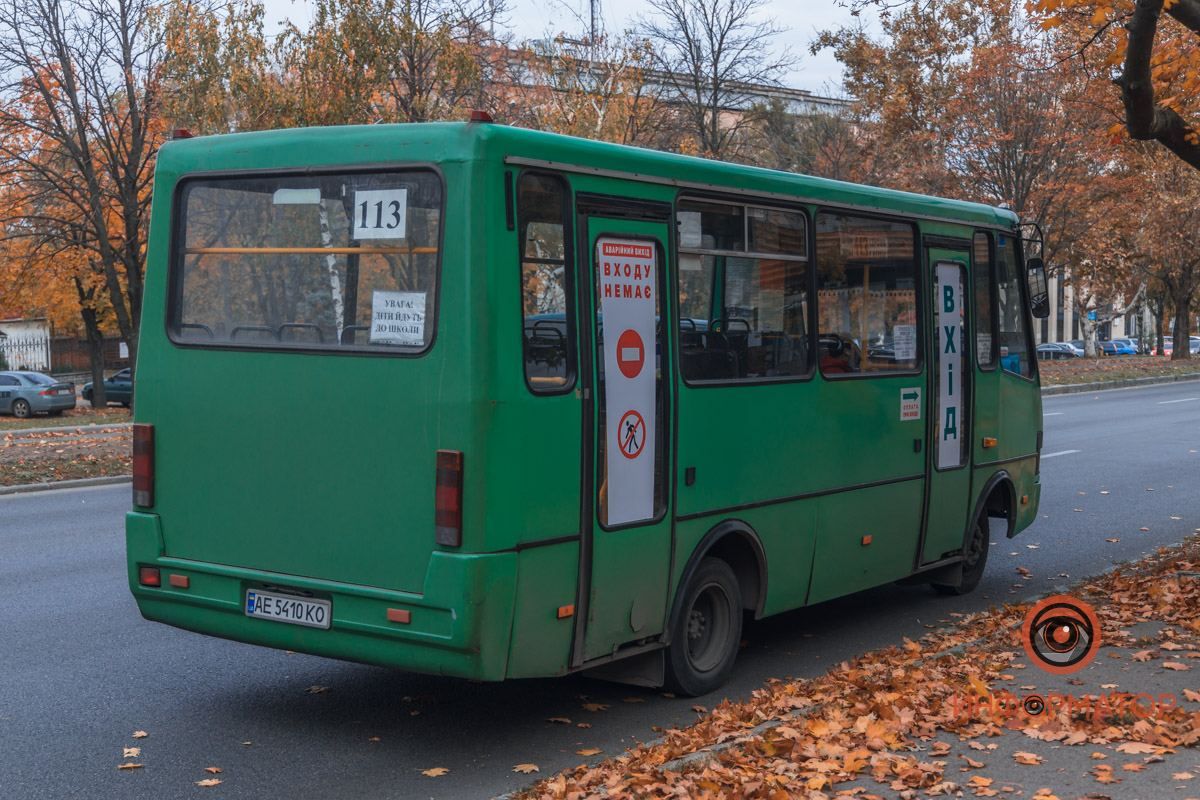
(63, 391)
(286, 608)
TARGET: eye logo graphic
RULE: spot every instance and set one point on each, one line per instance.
(1061, 634)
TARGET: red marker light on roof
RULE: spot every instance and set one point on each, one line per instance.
(479, 115)
(181, 133)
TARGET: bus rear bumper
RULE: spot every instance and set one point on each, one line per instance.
(445, 633)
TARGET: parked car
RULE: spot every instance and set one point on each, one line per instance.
(1052, 351)
(1116, 348)
(1129, 343)
(1076, 349)
(24, 394)
(117, 389)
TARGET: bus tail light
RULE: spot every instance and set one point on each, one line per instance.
(448, 498)
(149, 576)
(143, 464)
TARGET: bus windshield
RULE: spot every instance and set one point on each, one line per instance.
(345, 261)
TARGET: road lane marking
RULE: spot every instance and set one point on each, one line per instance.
(1184, 400)
(1053, 414)
(1059, 453)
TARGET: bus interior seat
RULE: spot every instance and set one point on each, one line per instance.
(299, 327)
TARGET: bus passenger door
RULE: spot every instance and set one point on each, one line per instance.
(626, 552)
(950, 407)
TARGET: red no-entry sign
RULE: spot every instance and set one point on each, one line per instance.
(631, 354)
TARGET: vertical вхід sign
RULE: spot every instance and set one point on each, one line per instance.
(949, 427)
(626, 269)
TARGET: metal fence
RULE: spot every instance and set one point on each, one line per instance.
(31, 353)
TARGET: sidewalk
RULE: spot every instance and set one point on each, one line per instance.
(962, 712)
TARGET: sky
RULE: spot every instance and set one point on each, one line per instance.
(534, 19)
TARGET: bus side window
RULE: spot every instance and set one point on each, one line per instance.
(1014, 341)
(985, 329)
(743, 292)
(866, 295)
(548, 343)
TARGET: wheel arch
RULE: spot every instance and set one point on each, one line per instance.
(998, 498)
(736, 543)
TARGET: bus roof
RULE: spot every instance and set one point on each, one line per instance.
(438, 142)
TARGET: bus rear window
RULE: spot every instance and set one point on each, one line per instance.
(334, 262)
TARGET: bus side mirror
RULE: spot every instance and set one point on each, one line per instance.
(1039, 298)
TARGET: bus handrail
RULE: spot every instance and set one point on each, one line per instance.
(302, 326)
(303, 251)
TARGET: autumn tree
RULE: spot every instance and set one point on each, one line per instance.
(219, 72)
(48, 272)
(79, 127)
(1169, 233)
(596, 88)
(811, 142)
(711, 56)
(906, 81)
(1153, 62)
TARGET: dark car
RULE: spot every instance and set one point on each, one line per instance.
(24, 394)
(117, 389)
(1055, 350)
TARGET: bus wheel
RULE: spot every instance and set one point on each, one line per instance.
(706, 632)
(974, 560)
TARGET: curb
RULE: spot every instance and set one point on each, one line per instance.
(96, 427)
(75, 483)
(1128, 383)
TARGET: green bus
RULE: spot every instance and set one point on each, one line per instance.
(467, 399)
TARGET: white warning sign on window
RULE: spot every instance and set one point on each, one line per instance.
(627, 284)
(398, 318)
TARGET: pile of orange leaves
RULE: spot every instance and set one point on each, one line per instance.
(875, 718)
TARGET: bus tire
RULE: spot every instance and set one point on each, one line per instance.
(975, 556)
(707, 631)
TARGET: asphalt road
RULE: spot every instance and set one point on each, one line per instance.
(80, 670)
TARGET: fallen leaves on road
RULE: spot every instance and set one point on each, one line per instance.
(131, 752)
(130, 765)
(208, 783)
(589, 751)
(213, 770)
(140, 734)
(314, 689)
(883, 716)
(526, 769)
(559, 720)
(434, 772)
